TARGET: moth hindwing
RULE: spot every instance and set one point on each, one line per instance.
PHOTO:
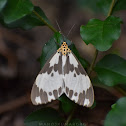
(63, 73)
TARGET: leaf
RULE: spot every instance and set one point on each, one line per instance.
(16, 9)
(101, 34)
(120, 5)
(117, 115)
(30, 20)
(44, 116)
(75, 122)
(2, 4)
(66, 104)
(104, 6)
(53, 44)
(48, 50)
(111, 70)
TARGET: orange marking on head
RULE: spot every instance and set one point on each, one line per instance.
(64, 49)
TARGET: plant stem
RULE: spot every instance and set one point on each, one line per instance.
(123, 92)
(111, 7)
(70, 116)
(93, 62)
(48, 25)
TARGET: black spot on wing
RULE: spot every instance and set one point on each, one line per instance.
(43, 96)
(90, 96)
(68, 67)
(60, 90)
(50, 93)
(58, 67)
(75, 94)
(70, 93)
(52, 74)
(81, 98)
(74, 75)
(67, 90)
(34, 93)
(55, 93)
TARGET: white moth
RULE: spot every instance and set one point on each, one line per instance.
(63, 73)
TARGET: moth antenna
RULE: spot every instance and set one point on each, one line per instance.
(60, 29)
(56, 42)
(70, 30)
(58, 26)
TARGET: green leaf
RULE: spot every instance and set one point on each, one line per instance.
(16, 9)
(101, 34)
(120, 5)
(117, 116)
(111, 70)
(104, 6)
(48, 50)
(30, 20)
(66, 104)
(44, 116)
(53, 44)
(75, 122)
(2, 4)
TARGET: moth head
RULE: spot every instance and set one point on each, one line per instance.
(64, 49)
(64, 45)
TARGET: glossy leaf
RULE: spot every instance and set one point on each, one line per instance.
(48, 50)
(66, 104)
(104, 6)
(117, 115)
(2, 4)
(75, 122)
(53, 44)
(101, 34)
(16, 9)
(111, 70)
(44, 116)
(29, 21)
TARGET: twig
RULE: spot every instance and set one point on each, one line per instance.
(111, 7)
(48, 25)
(70, 117)
(93, 62)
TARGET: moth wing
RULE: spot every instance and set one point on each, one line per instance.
(78, 86)
(48, 85)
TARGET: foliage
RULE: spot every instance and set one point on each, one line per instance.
(101, 34)
(110, 70)
(116, 117)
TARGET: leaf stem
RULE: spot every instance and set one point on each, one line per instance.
(48, 25)
(111, 7)
(93, 62)
(70, 116)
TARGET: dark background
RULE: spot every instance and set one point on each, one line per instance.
(19, 51)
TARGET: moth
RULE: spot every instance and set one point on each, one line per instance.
(63, 73)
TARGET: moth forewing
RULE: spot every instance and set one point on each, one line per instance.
(78, 86)
(48, 84)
